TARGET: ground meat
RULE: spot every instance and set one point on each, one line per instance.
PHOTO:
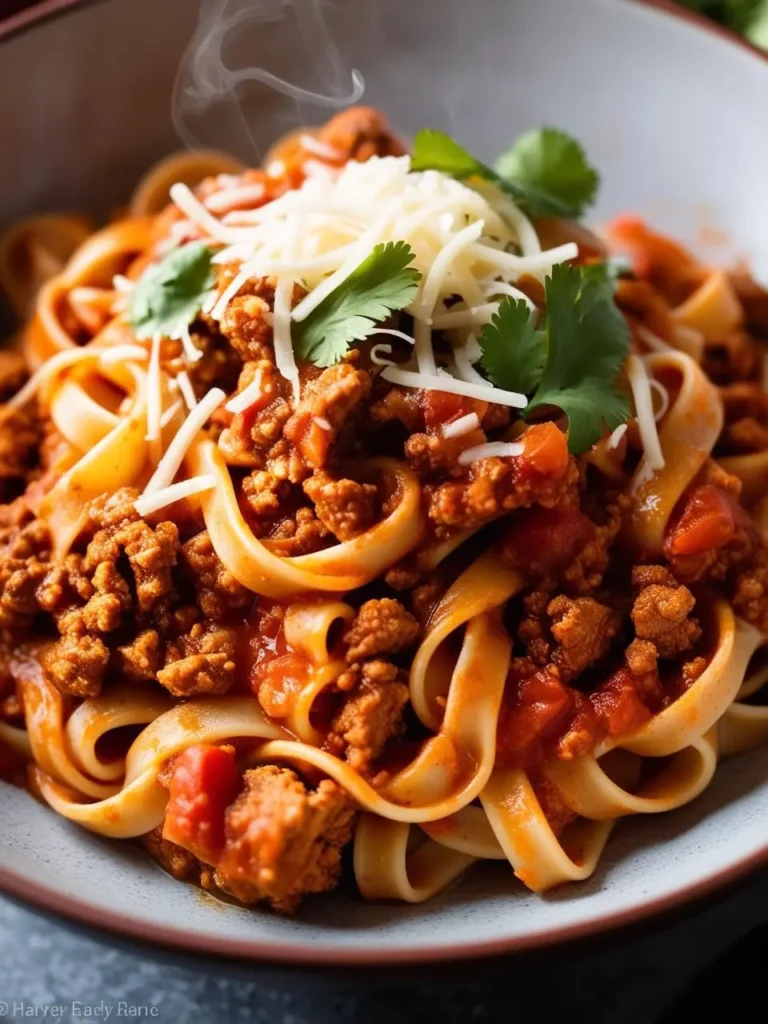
(20, 436)
(359, 133)
(371, 713)
(217, 591)
(325, 409)
(24, 553)
(299, 534)
(174, 859)
(430, 453)
(492, 486)
(380, 627)
(246, 324)
(347, 508)
(641, 657)
(749, 590)
(425, 597)
(264, 494)
(661, 612)
(151, 551)
(200, 662)
(254, 433)
(142, 658)
(583, 629)
(77, 664)
(283, 840)
(731, 357)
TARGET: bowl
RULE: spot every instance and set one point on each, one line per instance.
(669, 108)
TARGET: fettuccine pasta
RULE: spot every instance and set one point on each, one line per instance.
(365, 502)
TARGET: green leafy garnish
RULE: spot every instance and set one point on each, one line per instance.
(170, 294)
(383, 283)
(554, 170)
(514, 350)
(545, 172)
(573, 362)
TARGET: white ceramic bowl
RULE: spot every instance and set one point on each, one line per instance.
(672, 114)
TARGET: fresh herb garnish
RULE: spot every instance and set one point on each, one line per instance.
(545, 172)
(514, 349)
(383, 283)
(170, 294)
(571, 363)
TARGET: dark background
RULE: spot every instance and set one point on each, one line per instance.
(695, 964)
(708, 963)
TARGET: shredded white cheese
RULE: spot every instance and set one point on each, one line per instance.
(169, 413)
(463, 425)
(247, 397)
(149, 503)
(186, 389)
(322, 149)
(646, 421)
(321, 422)
(470, 245)
(615, 439)
(411, 379)
(376, 356)
(168, 466)
(221, 202)
(493, 449)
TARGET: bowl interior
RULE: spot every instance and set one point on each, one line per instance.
(669, 113)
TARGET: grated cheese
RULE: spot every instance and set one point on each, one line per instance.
(640, 383)
(169, 413)
(186, 389)
(492, 449)
(615, 439)
(149, 503)
(463, 425)
(376, 357)
(411, 379)
(469, 244)
(247, 397)
(322, 422)
(168, 466)
(223, 201)
(320, 148)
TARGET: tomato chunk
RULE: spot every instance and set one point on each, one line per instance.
(533, 712)
(439, 408)
(545, 452)
(542, 541)
(203, 782)
(706, 522)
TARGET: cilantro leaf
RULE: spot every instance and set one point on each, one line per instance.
(587, 344)
(382, 283)
(514, 351)
(592, 406)
(170, 294)
(553, 169)
(546, 172)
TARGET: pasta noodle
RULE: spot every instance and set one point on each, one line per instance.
(265, 593)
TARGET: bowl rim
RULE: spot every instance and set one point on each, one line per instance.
(49, 899)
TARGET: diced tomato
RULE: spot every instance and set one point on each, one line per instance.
(439, 407)
(542, 541)
(538, 705)
(545, 452)
(652, 254)
(618, 704)
(203, 782)
(706, 522)
(277, 680)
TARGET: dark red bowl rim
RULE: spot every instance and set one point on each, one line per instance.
(49, 899)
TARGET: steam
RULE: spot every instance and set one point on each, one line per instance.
(211, 98)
